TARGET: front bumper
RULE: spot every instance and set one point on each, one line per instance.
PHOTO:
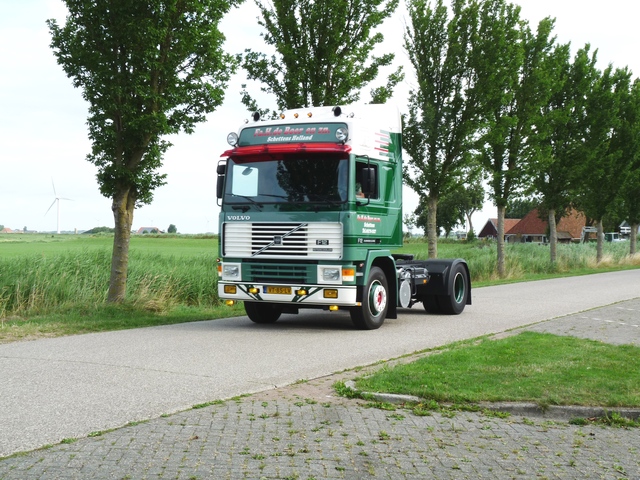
(293, 294)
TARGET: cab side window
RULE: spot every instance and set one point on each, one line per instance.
(360, 186)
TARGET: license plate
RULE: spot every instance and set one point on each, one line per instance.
(278, 290)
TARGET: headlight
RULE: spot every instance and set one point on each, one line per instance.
(231, 272)
(330, 274)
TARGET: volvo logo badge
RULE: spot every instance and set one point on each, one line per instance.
(277, 240)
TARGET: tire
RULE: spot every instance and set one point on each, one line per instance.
(375, 302)
(259, 312)
(453, 304)
(431, 303)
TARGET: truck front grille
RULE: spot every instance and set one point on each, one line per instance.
(317, 241)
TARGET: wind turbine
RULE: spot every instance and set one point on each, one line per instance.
(56, 200)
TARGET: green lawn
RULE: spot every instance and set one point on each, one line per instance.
(530, 367)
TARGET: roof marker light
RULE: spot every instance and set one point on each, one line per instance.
(282, 116)
(295, 115)
(309, 114)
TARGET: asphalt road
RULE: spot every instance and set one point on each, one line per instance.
(68, 387)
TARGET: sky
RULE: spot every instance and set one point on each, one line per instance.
(43, 134)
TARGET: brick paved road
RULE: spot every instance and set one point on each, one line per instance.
(302, 439)
(294, 433)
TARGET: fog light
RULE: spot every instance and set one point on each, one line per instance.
(229, 303)
(333, 308)
(254, 290)
(302, 292)
(230, 289)
(330, 293)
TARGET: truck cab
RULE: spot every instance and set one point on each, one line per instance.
(311, 207)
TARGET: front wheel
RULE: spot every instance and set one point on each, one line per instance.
(375, 302)
(259, 312)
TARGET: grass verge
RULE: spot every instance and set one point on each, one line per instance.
(103, 318)
(529, 367)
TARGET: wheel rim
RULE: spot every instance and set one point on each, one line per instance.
(377, 298)
(459, 288)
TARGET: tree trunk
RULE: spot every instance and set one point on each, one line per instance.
(432, 228)
(470, 229)
(553, 235)
(122, 206)
(633, 239)
(600, 241)
(500, 241)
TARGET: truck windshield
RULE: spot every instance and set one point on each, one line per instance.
(314, 178)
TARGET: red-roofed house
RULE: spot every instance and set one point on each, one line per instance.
(533, 229)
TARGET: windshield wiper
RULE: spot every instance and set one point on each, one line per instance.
(244, 208)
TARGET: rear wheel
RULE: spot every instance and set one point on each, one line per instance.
(375, 302)
(454, 303)
(259, 312)
(431, 304)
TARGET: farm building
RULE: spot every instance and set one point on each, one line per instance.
(490, 229)
(534, 229)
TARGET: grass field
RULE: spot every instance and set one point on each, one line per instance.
(57, 284)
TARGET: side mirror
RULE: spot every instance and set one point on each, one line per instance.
(221, 170)
(220, 186)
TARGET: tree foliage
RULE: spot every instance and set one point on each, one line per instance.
(630, 191)
(453, 209)
(148, 69)
(607, 148)
(520, 207)
(510, 62)
(443, 111)
(324, 52)
(559, 133)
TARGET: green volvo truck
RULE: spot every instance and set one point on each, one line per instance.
(311, 209)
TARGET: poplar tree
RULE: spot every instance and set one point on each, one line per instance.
(508, 61)
(148, 69)
(607, 148)
(323, 53)
(630, 191)
(443, 113)
(559, 133)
